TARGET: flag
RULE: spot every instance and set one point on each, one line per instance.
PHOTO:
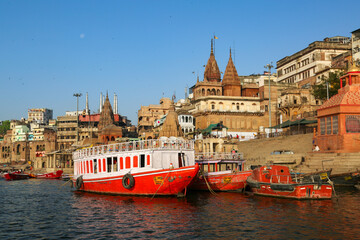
(216, 37)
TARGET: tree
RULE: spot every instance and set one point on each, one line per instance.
(320, 91)
(4, 126)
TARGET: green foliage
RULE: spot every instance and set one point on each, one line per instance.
(4, 127)
(320, 91)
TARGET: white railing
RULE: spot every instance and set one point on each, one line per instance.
(134, 146)
(207, 156)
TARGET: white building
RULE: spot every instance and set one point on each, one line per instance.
(355, 46)
(40, 115)
(306, 66)
(186, 122)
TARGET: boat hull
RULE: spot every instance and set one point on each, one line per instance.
(346, 179)
(53, 175)
(16, 176)
(300, 191)
(220, 181)
(158, 182)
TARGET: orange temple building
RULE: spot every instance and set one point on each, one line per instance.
(339, 117)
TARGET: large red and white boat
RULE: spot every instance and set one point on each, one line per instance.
(220, 172)
(276, 181)
(147, 167)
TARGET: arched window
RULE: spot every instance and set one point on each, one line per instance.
(213, 106)
(203, 92)
(233, 106)
(221, 106)
(208, 92)
(186, 119)
(237, 107)
(218, 92)
(213, 92)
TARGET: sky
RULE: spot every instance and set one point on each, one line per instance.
(146, 50)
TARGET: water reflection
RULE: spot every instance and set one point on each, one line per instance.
(41, 209)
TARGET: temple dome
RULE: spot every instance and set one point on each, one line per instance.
(212, 72)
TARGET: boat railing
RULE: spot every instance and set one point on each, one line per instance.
(280, 179)
(151, 144)
(208, 156)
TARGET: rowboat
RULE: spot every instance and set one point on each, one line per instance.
(52, 175)
(16, 176)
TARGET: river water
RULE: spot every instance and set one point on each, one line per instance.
(45, 209)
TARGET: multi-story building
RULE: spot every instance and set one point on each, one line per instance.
(148, 114)
(40, 115)
(227, 101)
(66, 131)
(355, 46)
(307, 66)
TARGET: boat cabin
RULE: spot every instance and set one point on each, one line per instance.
(135, 156)
(219, 162)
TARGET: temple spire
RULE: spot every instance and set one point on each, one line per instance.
(212, 48)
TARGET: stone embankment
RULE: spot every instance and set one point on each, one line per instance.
(258, 152)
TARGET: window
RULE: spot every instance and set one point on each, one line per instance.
(328, 125)
(322, 126)
(142, 160)
(127, 162)
(95, 166)
(212, 106)
(135, 161)
(109, 164)
(352, 123)
(335, 125)
(115, 164)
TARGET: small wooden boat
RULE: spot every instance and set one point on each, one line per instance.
(276, 181)
(16, 176)
(52, 175)
(220, 172)
(346, 179)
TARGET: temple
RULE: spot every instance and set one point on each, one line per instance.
(339, 117)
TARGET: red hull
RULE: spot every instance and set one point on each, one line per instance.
(160, 182)
(276, 181)
(220, 181)
(16, 176)
(53, 175)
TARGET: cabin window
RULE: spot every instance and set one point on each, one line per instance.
(142, 160)
(121, 163)
(335, 124)
(87, 167)
(181, 160)
(99, 163)
(135, 161)
(95, 166)
(115, 164)
(127, 162)
(148, 160)
(104, 165)
(109, 164)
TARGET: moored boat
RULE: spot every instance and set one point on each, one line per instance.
(52, 175)
(147, 167)
(349, 179)
(220, 172)
(16, 176)
(276, 181)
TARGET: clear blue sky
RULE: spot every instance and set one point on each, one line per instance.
(144, 49)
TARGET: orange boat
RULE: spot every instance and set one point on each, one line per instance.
(276, 181)
(148, 167)
(220, 172)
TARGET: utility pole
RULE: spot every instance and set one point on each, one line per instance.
(269, 66)
(77, 95)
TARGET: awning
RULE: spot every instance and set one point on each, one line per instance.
(289, 123)
(211, 127)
